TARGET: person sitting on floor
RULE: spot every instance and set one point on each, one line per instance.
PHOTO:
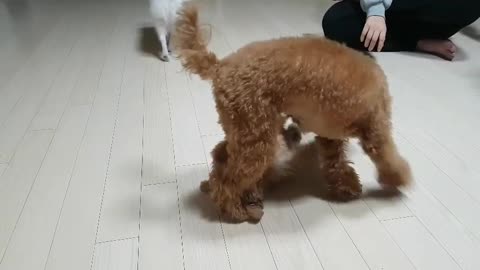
(400, 25)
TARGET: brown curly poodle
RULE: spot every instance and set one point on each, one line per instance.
(333, 91)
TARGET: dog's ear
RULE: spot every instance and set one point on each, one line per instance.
(219, 152)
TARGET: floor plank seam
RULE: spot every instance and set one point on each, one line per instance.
(175, 169)
(189, 79)
(41, 129)
(212, 134)
(457, 156)
(26, 199)
(398, 245)
(159, 183)
(191, 165)
(349, 236)
(397, 218)
(116, 240)
(470, 232)
(141, 170)
(448, 149)
(71, 174)
(139, 226)
(440, 169)
(269, 246)
(47, 92)
(66, 190)
(389, 234)
(225, 242)
(306, 234)
(434, 237)
(169, 102)
(29, 60)
(180, 224)
(109, 154)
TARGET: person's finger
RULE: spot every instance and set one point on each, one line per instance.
(364, 33)
(368, 38)
(381, 40)
(374, 40)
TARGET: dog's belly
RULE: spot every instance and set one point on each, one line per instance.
(323, 128)
(324, 124)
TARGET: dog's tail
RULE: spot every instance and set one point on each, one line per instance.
(191, 46)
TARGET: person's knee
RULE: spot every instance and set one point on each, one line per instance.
(343, 22)
(331, 23)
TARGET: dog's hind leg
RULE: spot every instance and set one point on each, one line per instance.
(342, 180)
(377, 141)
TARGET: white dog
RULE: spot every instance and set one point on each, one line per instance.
(164, 13)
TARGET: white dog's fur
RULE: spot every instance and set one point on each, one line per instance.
(164, 13)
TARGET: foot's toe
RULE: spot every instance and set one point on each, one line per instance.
(443, 48)
(452, 48)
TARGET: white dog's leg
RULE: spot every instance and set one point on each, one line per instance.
(169, 36)
(162, 32)
(164, 54)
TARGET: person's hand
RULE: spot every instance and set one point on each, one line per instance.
(374, 32)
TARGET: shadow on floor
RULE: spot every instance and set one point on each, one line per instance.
(149, 42)
(304, 180)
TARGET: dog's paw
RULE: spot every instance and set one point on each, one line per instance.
(235, 213)
(253, 203)
(345, 186)
(165, 57)
(346, 192)
(205, 186)
(255, 212)
(248, 209)
(401, 176)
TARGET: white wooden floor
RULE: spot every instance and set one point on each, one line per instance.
(103, 147)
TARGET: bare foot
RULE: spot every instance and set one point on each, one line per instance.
(442, 48)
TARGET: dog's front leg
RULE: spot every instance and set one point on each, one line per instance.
(162, 32)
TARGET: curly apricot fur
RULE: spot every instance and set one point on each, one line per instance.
(333, 91)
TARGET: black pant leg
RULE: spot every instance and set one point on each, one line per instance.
(445, 18)
(343, 22)
(407, 21)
